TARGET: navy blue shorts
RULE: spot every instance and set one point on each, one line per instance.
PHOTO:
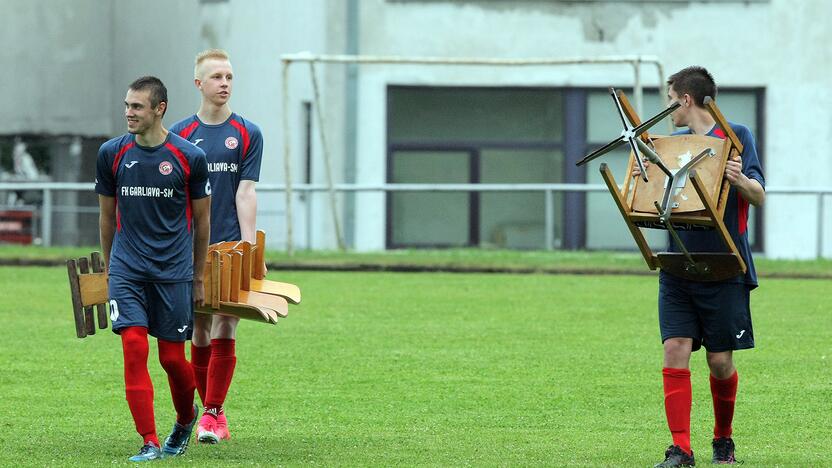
(716, 315)
(165, 309)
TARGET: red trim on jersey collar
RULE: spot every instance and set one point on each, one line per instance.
(120, 154)
(183, 161)
(244, 133)
(186, 132)
(719, 133)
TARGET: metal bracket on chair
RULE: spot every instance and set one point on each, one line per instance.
(632, 136)
(691, 266)
(670, 186)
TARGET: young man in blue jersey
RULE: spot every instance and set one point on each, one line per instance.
(154, 197)
(234, 147)
(716, 315)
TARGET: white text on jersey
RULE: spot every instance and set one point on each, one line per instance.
(131, 191)
(222, 167)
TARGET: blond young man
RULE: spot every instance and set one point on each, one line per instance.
(234, 148)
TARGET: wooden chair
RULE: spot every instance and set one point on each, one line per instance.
(684, 189)
(235, 286)
(88, 289)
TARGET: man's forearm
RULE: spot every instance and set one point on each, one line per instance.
(751, 191)
(106, 232)
(202, 234)
(106, 226)
(246, 202)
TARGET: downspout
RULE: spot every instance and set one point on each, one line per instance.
(351, 120)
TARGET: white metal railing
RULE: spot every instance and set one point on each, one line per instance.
(48, 189)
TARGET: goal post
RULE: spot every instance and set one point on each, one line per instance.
(635, 61)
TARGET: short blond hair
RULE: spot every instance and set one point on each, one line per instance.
(218, 54)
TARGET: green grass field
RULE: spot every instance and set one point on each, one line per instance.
(557, 261)
(384, 369)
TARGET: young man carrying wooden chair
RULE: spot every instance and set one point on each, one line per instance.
(698, 185)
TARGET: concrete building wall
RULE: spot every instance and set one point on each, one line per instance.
(57, 58)
(162, 45)
(777, 45)
(255, 33)
(70, 64)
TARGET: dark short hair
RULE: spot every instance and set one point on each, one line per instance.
(158, 92)
(695, 81)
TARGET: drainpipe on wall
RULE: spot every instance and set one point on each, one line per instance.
(351, 121)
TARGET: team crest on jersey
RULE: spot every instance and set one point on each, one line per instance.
(165, 167)
(231, 143)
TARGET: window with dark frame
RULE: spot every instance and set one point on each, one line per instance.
(517, 135)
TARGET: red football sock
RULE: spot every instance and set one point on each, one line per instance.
(180, 379)
(220, 372)
(137, 384)
(200, 358)
(677, 403)
(724, 392)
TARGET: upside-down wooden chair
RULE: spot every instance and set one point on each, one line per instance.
(235, 286)
(684, 189)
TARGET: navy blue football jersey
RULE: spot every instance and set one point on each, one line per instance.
(153, 188)
(234, 149)
(736, 209)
